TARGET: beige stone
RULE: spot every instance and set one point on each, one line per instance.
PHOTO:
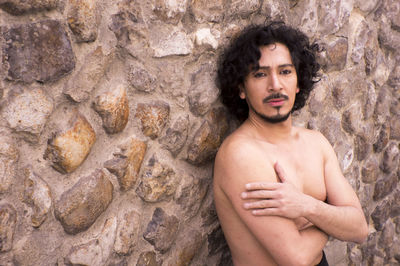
(69, 148)
(113, 108)
(153, 117)
(38, 195)
(80, 206)
(9, 156)
(83, 19)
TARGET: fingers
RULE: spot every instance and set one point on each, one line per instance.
(262, 186)
(262, 204)
(260, 194)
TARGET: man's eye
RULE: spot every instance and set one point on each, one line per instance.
(259, 74)
(286, 71)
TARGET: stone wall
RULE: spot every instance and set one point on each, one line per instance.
(110, 120)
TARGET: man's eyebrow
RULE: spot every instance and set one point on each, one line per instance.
(268, 67)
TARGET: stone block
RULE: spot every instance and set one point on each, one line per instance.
(37, 194)
(83, 19)
(141, 79)
(390, 158)
(384, 186)
(79, 207)
(190, 243)
(206, 11)
(20, 7)
(8, 221)
(336, 53)
(170, 11)
(332, 15)
(168, 41)
(96, 251)
(113, 107)
(157, 183)
(203, 91)
(81, 84)
(126, 164)
(127, 232)
(162, 230)
(153, 117)
(27, 113)
(9, 155)
(68, 148)
(175, 137)
(204, 37)
(381, 213)
(245, 8)
(190, 195)
(39, 51)
(147, 258)
(370, 170)
(208, 137)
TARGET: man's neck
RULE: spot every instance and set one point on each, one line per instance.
(271, 132)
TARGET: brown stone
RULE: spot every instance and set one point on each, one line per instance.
(113, 108)
(147, 258)
(394, 77)
(202, 92)
(96, 251)
(384, 186)
(362, 33)
(83, 19)
(362, 148)
(245, 8)
(162, 230)
(389, 38)
(157, 183)
(381, 214)
(204, 10)
(190, 195)
(383, 138)
(351, 119)
(170, 11)
(27, 113)
(38, 195)
(395, 211)
(369, 101)
(383, 103)
(208, 137)
(153, 117)
(390, 158)
(127, 232)
(9, 156)
(141, 79)
(370, 170)
(20, 7)
(68, 148)
(81, 84)
(190, 244)
(126, 164)
(78, 208)
(336, 54)
(332, 14)
(38, 51)
(175, 137)
(8, 221)
(341, 92)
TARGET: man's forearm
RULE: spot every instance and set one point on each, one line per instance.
(346, 223)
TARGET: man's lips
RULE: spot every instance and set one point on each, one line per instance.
(276, 102)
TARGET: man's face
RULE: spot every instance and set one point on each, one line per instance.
(271, 90)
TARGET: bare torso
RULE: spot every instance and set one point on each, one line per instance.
(303, 162)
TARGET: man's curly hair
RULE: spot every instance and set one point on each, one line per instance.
(243, 54)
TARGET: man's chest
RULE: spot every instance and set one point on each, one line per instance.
(305, 169)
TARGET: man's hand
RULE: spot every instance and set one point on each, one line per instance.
(281, 199)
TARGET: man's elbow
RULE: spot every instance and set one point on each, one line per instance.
(363, 234)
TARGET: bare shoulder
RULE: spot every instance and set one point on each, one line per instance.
(241, 159)
(316, 139)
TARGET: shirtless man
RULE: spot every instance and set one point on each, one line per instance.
(279, 191)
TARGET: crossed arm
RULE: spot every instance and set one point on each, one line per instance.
(278, 235)
(340, 217)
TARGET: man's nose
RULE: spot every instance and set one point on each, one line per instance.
(275, 83)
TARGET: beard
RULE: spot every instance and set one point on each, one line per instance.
(271, 119)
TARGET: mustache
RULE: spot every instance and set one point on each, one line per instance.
(275, 96)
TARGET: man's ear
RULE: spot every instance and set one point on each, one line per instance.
(242, 93)
(297, 90)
